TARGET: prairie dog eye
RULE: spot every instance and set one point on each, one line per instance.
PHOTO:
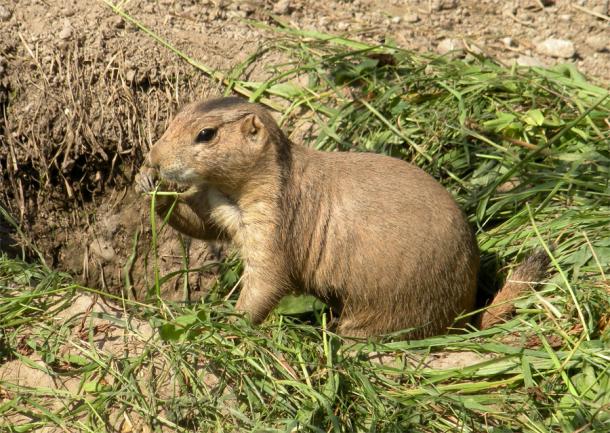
(206, 134)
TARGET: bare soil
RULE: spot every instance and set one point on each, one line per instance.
(84, 95)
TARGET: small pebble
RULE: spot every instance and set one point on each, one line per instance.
(529, 61)
(396, 20)
(283, 7)
(561, 48)
(508, 42)
(475, 49)
(599, 42)
(247, 7)
(66, 32)
(447, 45)
(509, 9)
(410, 18)
(118, 23)
(342, 25)
(102, 250)
(5, 13)
(439, 5)
(130, 75)
(601, 9)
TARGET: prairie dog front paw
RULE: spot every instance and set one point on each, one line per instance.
(146, 179)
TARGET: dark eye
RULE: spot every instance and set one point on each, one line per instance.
(205, 134)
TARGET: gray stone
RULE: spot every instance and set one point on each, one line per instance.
(561, 48)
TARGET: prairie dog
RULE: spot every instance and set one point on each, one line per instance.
(376, 238)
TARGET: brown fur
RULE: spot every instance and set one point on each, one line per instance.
(526, 275)
(378, 239)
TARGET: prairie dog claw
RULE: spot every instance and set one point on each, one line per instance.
(146, 180)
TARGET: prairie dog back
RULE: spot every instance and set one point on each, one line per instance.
(387, 231)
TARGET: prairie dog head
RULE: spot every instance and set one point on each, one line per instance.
(220, 142)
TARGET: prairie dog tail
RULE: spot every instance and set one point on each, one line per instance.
(531, 270)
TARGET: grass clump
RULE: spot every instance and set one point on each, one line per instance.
(525, 152)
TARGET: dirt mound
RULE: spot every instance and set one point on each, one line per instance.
(85, 107)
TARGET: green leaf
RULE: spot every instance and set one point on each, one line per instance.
(534, 117)
(76, 360)
(292, 304)
(93, 386)
(186, 320)
(169, 332)
(502, 121)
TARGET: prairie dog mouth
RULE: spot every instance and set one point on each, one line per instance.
(181, 178)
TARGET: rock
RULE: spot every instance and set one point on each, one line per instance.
(342, 25)
(68, 12)
(237, 13)
(529, 61)
(601, 9)
(249, 8)
(102, 250)
(283, 7)
(5, 13)
(475, 49)
(396, 20)
(118, 22)
(130, 75)
(508, 42)
(410, 18)
(439, 5)
(66, 32)
(565, 17)
(598, 42)
(449, 44)
(509, 9)
(561, 48)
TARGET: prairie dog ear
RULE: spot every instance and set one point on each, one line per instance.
(252, 127)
